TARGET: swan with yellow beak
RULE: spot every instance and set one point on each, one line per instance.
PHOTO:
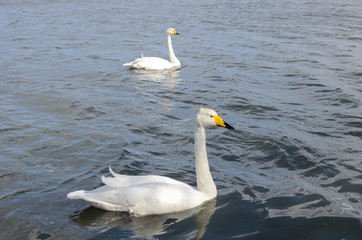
(156, 63)
(151, 194)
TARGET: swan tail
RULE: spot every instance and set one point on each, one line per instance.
(76, 195)
(92, 200)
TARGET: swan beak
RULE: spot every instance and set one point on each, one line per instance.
(220, 122)
(176, 33)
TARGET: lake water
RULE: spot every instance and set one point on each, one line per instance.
(287, 75)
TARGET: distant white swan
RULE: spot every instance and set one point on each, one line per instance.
(155, 63)
(151, 194)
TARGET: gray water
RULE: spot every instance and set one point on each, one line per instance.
(286, 74)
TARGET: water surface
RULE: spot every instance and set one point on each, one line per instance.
(287, 75)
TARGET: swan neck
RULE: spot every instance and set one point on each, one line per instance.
(173, 57)
(205, 183)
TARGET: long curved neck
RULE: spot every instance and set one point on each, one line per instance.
(173, 58)
(205, 183)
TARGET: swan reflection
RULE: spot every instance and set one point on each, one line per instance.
(168, 78)
(148, 226)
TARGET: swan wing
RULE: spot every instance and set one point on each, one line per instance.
(143, 199)
(150, 63)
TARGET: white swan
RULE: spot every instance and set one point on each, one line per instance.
(155, 63)
(150, 194)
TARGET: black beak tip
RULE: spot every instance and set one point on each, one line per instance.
(228, 126)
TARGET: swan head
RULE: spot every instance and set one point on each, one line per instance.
(172, 31)
(208, 117)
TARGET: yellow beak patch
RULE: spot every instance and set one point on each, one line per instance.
(220, 122)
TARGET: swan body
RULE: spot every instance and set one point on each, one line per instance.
(155, 63)
(151, 194)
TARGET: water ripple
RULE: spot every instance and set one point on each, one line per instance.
(286, 75)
